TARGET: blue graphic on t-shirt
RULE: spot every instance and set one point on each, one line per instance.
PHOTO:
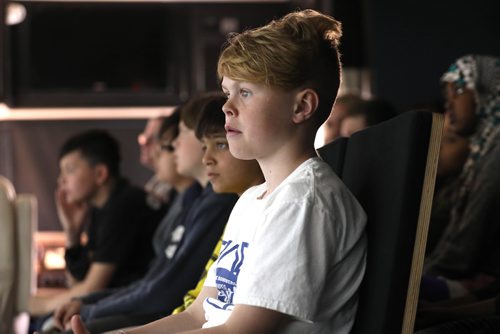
(228, 268)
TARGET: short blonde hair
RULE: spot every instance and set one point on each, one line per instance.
(298, 50)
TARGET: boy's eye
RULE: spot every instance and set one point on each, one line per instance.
(221, 146)
(167, 147)
(244, 93)
(204, 148)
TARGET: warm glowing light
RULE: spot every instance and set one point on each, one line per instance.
(16, 13)
(4, 111)
(54, 259)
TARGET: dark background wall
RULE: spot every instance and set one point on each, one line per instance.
(29, 157)
(410, 44)
(405, 45)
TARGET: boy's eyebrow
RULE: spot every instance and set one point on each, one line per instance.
(218, 135)
(235, 84)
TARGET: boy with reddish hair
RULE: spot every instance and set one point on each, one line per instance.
(293, 252)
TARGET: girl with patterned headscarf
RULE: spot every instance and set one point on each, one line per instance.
(467, 255)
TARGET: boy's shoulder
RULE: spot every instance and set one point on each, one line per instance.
(313, 176)
(208, 199)
(313, 181)
(126, 195)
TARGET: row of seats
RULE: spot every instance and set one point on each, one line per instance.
(390, 168)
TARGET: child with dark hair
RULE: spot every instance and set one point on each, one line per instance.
(121, 224)
(226, 173)
(184, 242)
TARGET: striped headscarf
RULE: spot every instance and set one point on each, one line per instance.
(482, 75)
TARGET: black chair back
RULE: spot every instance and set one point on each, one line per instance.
(391, 169)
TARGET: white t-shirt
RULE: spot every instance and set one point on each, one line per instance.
(300, 251)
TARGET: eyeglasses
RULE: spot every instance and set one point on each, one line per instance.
(167, 147)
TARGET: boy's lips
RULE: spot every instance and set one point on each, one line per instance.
(212, 175)
(231, 130)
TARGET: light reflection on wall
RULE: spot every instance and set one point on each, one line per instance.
(54, 259)
(32, 114)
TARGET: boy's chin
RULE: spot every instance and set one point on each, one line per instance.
(220, 189)
(216, 188)
(240, 154)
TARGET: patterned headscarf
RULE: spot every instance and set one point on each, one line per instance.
(482, 75)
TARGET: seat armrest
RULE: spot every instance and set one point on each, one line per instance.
(27, 224)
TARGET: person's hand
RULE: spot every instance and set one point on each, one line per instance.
(72, 217)
(63, 314)
(78, 326)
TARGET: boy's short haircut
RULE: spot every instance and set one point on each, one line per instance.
(190, 112)
(170, 123)
(212, 119)
(97, 147)
(299, 50)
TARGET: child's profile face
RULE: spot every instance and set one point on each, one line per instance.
(188, 153)
(165, 164)
(461, 109)
(352, 124)
(334, 121)
(453, 151)
(77, 178)
(226, 173)
(258, 118)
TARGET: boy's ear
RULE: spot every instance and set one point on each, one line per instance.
(307, 103)
(101, 172)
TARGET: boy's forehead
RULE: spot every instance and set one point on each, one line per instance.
(72, 157)
(228, 82)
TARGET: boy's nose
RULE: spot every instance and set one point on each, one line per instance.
(228, 109)
(207, 159)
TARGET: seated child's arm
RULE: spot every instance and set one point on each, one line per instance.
(252, 319)
(244, 319)
(98, 277)
(192, 318)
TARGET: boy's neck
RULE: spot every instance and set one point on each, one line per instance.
(278, 167)
(255, 182)
(201, 176)
(103, 193)
(182, 184)
(203, 181)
